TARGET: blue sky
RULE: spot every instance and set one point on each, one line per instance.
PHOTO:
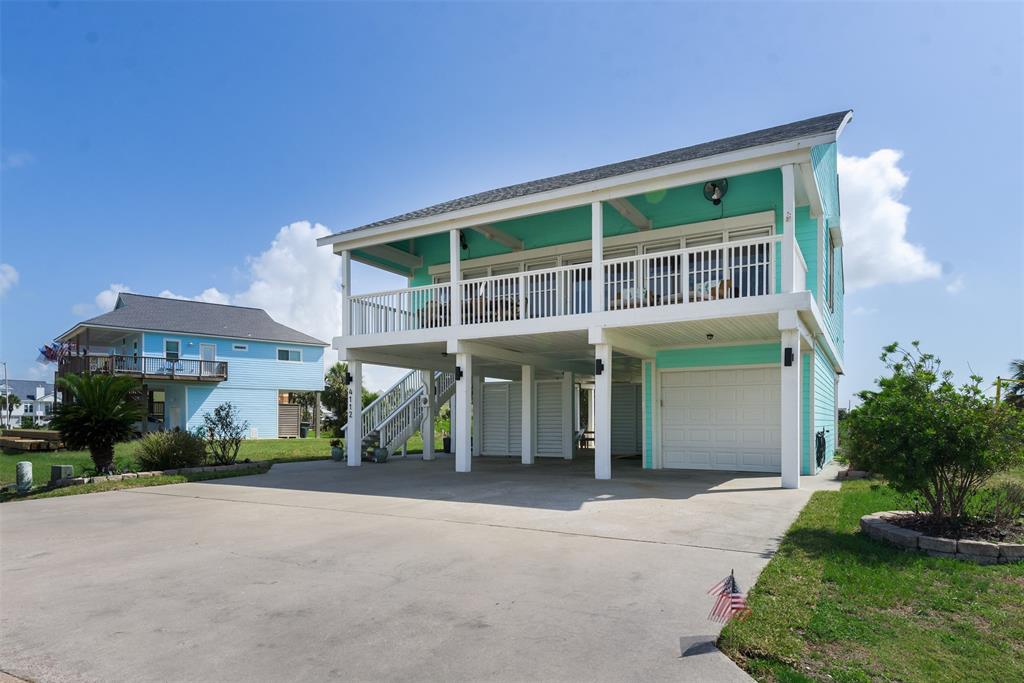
(165, 146)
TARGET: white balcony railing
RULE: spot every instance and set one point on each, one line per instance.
(728, 270)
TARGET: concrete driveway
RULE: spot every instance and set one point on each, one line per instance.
(403, 571)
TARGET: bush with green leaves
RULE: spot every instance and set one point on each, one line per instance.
(224, 431)
(170, 451)
(99, 412)
(931, 438)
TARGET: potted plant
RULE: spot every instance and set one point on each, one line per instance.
(446, 440)
(336, 453)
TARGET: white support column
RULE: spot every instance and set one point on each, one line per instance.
(603, 413)
(455, 261)
(529, 414)
(478, 415)
(463, 387)
(790, 397)
(346, 292)
(597, 256)
(429, 413)
(354, 431)
(453, 414)
(570, 418)
(788, 229)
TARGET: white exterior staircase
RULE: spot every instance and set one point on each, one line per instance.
(398, 413)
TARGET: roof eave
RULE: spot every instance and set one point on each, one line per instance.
(70, 333)
(604, 186)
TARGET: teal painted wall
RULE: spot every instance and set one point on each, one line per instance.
(825, 400)
(712, 356)
(254, 378)
(749, 193)
(825, 162)
(807, 240)
(648, 414)
(806, 443)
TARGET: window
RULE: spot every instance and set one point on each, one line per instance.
(156, 407)
(172, 349)
(28, 408)
(240, 347)
(290, 355)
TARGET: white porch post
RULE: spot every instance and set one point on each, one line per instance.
(346, 292)
(427, 428)
(790, 397)
(597, 257)
(455, 259)
(478, 415)
(529, 414)
(463, 403)
(570, 418)
(354, 431)
(788, 229)
(602, 426)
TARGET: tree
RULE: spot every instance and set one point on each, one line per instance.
(224, 431)
(101, 413)
(1015, 390)
(8, 403)
(335, 394)
(931, 438)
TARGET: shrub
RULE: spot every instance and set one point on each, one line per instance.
(930, 438)
(170, 450)
(99, 413)
(1001, 505)
(224, 432)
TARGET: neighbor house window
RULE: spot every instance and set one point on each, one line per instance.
(240, 347)
(289, 355)
(172, 349)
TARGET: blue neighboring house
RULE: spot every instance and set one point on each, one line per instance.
(190, 357)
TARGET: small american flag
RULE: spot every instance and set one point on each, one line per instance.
(729, 600)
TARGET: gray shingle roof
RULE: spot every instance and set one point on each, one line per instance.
(819, 125)
(140, 312)
(25, 388)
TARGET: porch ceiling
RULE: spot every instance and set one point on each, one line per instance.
(687, 332)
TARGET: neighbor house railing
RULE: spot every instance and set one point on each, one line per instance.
(726, 270)
(149, 367)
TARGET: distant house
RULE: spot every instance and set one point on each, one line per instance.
(36, 401)
(190, 356)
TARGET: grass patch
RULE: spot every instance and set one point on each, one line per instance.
(257, 468)
(835, 605)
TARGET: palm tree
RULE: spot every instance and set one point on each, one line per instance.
(101, 413)
(9, 403)
(1015, 390)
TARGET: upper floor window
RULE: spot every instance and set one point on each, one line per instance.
(290, 355)
(172, 349)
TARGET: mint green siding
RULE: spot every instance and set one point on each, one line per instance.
(825, 400)
(711, 356)
(825, 162)
(807, 239)
(806, 443)
(648, 408)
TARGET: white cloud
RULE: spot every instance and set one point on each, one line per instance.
(956, 285)
(876, 249)
(102, 302)
(210, 295)
(8, 277)
(42, 371)
(863, 310)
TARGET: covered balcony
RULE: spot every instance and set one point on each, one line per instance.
(146, 367)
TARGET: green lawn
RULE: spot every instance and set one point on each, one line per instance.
(835, 605)
(259, 450)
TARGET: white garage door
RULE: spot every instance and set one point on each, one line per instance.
(721, 419)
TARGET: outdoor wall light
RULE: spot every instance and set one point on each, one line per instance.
(458, 373)
(714, 190)
(788, 356)
(710, 336)
(462, 240)
(598, 366)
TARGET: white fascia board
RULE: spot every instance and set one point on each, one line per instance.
(739, 162)
(193, 334)
(621, 342)
(810, 186)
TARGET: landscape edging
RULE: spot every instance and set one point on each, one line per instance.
(78, 481)
(877, 526)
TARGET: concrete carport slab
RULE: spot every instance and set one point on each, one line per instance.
(400, 571)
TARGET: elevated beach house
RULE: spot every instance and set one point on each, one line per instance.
(190, 356)
(685, 307)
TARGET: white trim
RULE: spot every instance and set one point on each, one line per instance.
(737, 162)
(176, 341)
(287, 360)
(705, 345)
(735, 366)
(743, 222)
(198, 335)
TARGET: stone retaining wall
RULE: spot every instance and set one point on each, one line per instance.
(879, 527)
(77, 481)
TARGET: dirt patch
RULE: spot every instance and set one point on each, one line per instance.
(971, 529)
